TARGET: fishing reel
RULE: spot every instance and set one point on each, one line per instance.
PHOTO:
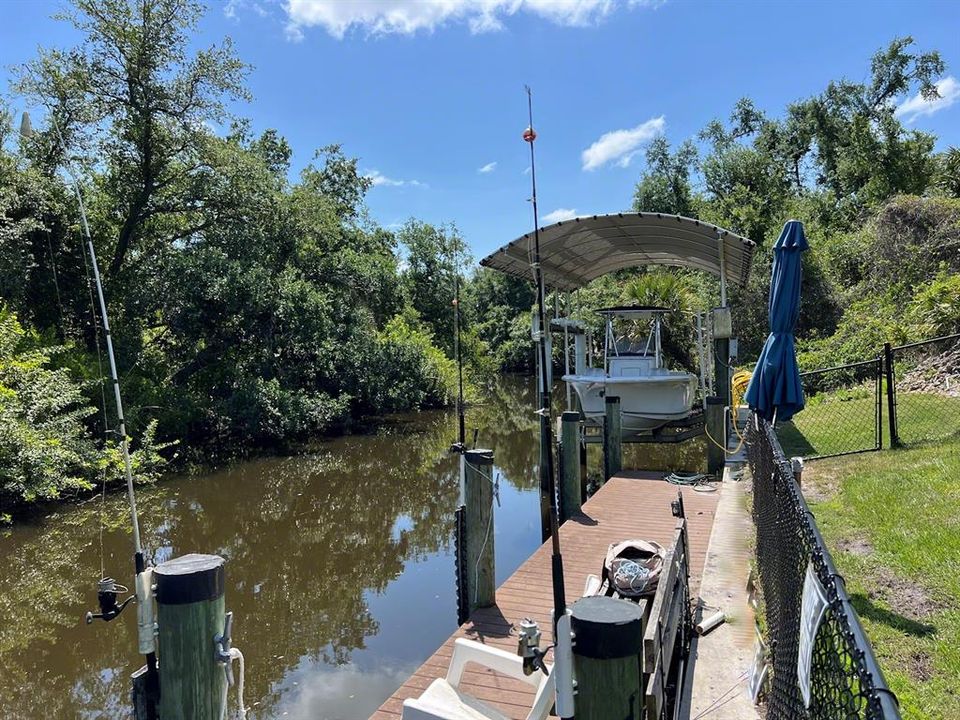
(528, 648)
(107, 591)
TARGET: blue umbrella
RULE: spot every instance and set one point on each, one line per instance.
(775, 385)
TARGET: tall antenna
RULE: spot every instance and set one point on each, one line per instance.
(461, 438)
(547, 477)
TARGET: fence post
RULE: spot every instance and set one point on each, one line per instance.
(891, 394)
(569, 464)
(612, 438)
(190, 613)
(479, 571)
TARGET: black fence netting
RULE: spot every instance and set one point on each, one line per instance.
(926, 393)
(842, 413)
(845, 681)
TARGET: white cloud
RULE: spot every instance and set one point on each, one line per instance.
(382, 17)
(620, 146)
(558, 215)
(949, 90)
(488, 168)
(232, 8)
(377, 179)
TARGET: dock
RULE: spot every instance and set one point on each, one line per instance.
(629, 505)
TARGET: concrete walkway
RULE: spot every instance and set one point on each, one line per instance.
(720, 661)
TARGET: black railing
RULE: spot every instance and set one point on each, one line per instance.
(845, 681)
(843, 412)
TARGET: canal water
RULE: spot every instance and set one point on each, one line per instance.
(340, 567)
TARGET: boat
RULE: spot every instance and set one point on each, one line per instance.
(572, 253)
(651, 395)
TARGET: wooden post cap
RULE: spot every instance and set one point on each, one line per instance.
(611, 399)
(715, 400)
(606, 627)
(189, 579)
(570, 416)
(479, 456)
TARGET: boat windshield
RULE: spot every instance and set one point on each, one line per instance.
(627, 345)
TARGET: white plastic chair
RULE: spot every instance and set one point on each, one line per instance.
(443, 699)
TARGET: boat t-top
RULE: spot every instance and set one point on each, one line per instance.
(651, 395)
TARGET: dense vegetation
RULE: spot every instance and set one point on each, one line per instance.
(253, 308)
(249, 309)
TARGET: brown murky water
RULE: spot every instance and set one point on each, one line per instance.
(340, 568)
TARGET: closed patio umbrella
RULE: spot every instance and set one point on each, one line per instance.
(775, 388)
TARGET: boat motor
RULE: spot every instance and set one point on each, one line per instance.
(528, 648)
(107, 591)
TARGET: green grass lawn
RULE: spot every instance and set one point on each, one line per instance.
(840, 422)
(892, 523)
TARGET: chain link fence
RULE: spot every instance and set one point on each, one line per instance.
(845, 680)
(924, 394)
(843, 412)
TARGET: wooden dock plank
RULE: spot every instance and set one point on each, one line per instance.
(630, 505)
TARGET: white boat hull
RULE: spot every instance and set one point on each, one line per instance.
(646, 403)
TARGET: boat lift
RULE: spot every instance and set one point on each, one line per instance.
(575, 252)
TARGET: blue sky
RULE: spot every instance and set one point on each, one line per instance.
(428, 92)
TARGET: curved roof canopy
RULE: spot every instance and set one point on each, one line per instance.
(574, 252)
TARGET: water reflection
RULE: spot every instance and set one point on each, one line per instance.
(340, 568)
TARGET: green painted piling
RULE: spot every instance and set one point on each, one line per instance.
(480, 571)
(606, 658)
(612, 438)
(190, 613)
(715, 420)
(570, 465)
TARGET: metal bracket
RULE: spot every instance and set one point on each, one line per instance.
(222, 643)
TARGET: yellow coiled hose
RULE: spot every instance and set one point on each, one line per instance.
(739, 384)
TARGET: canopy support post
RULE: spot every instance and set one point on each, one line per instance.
(723, 270)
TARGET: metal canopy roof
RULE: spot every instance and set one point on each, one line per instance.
(634, 311)
(574, 252)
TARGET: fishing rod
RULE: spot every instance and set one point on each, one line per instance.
(107, 588)
(561, 618)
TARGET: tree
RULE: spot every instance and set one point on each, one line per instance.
(435, 258)
(134, 97)
(665, 185)
(948, 172)
(862, 152)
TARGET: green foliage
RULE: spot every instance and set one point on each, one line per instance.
(948, 172)
(935, 308)
(429, 378)
(46, 447)
(672, 289)
(249, 309)
(665, 185)
(45, 450)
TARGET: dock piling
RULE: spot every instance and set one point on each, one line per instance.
(715, 419)
(606, 657)
(571, 479)
(612, 438)
(479, 571)
(190, 614)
